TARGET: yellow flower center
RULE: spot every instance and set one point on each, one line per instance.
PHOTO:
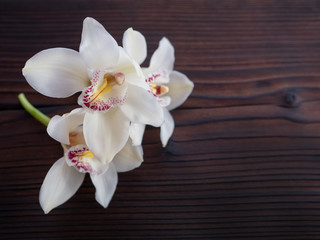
(158, 89)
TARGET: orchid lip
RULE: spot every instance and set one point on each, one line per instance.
(107, 90)
(81, 158)
(152, 77)
(153, 80)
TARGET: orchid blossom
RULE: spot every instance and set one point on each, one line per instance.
(114, 93)
(170, 87)
(67, 174)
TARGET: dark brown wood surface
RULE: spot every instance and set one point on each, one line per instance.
(244, 159)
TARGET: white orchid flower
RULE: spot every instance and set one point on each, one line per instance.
(113, 91)
(171, 87)
(67, 174)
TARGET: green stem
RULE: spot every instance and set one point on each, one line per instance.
(44, 119)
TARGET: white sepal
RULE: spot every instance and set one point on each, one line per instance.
(167, 127)
(56, 72)
(162, 58)
(60, 184)
(98, 48)
(180, 87)
(135, 45)
(105, 185)
(136, 133)
(129, 158)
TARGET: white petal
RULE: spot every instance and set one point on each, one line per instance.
(59, 127)
(136, 133)
(162, 58)
(105, 185)
(135, 45)
(98, 47)
(106, 133)
(142, 107)
(180, 87)
(132, 71)
(167, 128)
(60, 184)
(129, 158)
(56, 72)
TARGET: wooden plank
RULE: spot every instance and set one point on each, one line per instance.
(243, 162)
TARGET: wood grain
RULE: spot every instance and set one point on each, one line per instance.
(243, 162)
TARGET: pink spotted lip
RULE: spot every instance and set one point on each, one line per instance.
(157, 89)
(152, 77)
(161, 76)
(106, 90)
(82, 159)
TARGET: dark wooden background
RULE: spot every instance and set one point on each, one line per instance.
(244, 160)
